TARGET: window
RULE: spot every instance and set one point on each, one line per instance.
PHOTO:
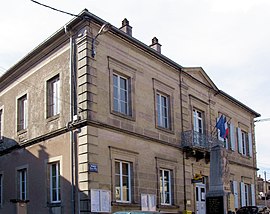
(1, 189)
(122, 181)
(22, 113)
(163, 111)
(22, 181)
(1, 124)
(53, 96)
(245, 194)
(54, 171)
(121, 95)
(165, 186)
(197, 121)
(244, 142)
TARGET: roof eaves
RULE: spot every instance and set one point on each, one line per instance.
(256, 114)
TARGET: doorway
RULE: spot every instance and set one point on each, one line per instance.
(200, 192)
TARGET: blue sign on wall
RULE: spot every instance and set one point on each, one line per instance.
(93, 167)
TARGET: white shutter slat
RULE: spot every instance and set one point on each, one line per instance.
(235, 192)
(240, 146)
(232, 137)
(250, 144)
(253, 200)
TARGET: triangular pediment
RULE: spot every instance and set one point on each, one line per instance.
(199, 74)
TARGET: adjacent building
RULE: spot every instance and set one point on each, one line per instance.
(93, 120)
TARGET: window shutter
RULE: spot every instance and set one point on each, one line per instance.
(253, 200)
(240, 146)
(250, 144)
(25, 113)
(242, 189)
(235, 193)
(232, 137)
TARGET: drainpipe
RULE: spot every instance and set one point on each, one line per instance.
(69, 125)
(182, 129)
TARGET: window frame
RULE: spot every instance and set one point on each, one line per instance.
(125, 70)
(125, 156)
(127, 91)
(162, 186)
(163, 111)
(58, 182)
(22, 113)
(53, 105)
(22, 184)
(121, 181)
(245, 146)
(197, 119)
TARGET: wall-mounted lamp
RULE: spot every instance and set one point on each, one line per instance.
(104, 28)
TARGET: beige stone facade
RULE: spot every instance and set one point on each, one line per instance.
(142, 130)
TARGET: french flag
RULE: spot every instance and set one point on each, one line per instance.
(222, 125)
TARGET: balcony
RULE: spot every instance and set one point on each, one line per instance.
(198, 145)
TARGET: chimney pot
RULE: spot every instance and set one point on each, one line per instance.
(126, 27)
(155, 45)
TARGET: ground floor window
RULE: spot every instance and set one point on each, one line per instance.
(165, 186)
(122, 181)
(54, 171)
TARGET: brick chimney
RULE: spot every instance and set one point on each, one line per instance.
(155, 45)
(126, 27)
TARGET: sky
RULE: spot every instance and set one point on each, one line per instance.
(229, 39)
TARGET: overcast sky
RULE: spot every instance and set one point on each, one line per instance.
(230, 39)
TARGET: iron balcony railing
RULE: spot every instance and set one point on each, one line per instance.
(193, 139)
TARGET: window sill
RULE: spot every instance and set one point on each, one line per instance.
(23, 131)
(127, 204)
(52, 118)
(245, 156)
(58, 204)
(165, 130)
(169, 206)
(18, 201)
(125, 116)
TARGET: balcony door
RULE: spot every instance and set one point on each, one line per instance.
(198, 126)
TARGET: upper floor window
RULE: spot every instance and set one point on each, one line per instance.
(1, 124)
(244, 142)
(163, 114)
(22, 182)
(165, 187)
(53, 96)
(121, 95)
(198, 121)
(122, 181)
(22, 113)
(54, 171)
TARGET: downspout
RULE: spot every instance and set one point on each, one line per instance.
(69, 125)
(182, 129)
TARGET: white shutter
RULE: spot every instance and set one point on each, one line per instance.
(242, 189)
(250, 144)
(240, 146)
(25, 116)
(253, 200)
(235, 193)
(232, 137)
